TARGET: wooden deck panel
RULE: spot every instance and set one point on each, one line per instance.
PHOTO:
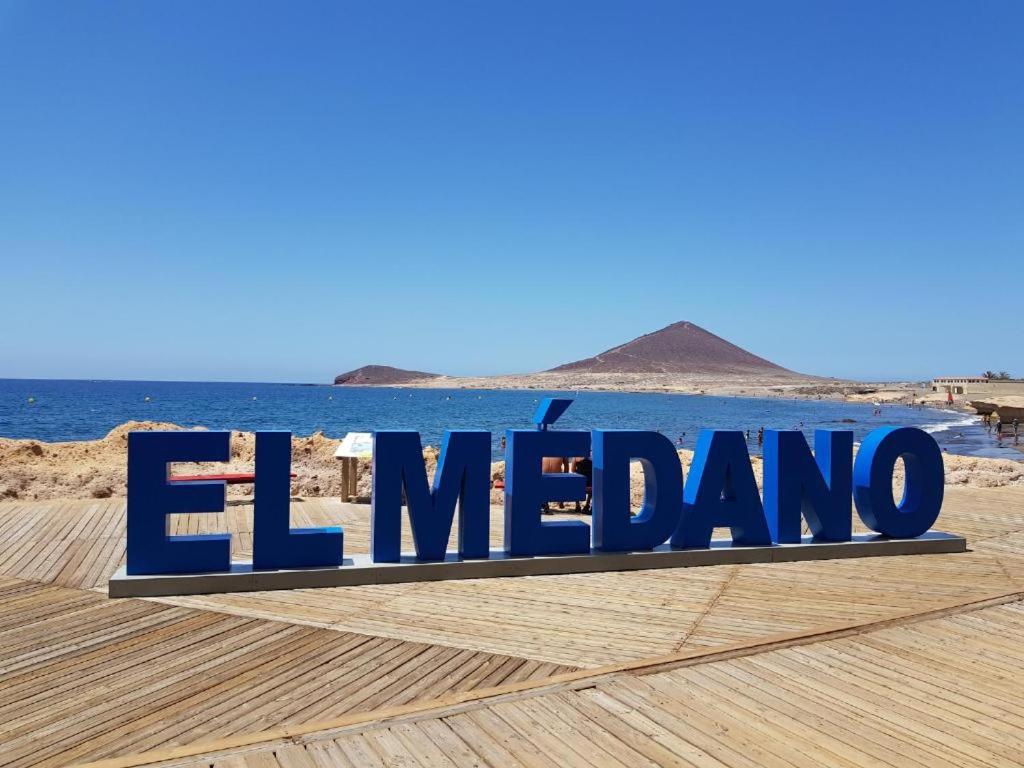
(932, 694)
(80, 543)
(82, 676)
(597, 619)
(576, 620)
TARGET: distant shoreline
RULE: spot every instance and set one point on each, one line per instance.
(725, 385)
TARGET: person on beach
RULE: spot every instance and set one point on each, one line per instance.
(553, 465)
(760, 437)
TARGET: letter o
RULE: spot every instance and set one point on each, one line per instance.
(923, 485)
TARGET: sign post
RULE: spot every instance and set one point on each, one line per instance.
(354, 446)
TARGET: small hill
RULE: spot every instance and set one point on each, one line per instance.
(380, 376)
(682, 348)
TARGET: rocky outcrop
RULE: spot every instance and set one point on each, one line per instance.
(380, 376)
(1005, 408)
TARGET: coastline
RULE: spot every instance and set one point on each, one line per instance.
(93, 466)
(726, 385)
(780, 387)
(795, 388)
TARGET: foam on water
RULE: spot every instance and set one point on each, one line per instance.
(944, 426)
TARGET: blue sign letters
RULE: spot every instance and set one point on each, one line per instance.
(720, 492)
(528, 488)
(274, 543)
(151, 498)
(463, 474)
(923, 482)
(817, 487)
(615, 529)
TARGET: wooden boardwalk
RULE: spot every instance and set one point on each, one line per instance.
(940, 693)
(582, 620)
(84, 678)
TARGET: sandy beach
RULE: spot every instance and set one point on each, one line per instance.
(741, 384)
(723, 385)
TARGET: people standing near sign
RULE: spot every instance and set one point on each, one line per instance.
(584, 466)
(554, 465)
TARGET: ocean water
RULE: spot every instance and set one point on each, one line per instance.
(55, 410)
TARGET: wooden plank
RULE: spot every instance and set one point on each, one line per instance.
(83, 677)
(575, 680)
(789, 706)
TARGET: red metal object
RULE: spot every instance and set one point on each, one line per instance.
(231, 478)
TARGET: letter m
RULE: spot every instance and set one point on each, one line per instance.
(463, 476)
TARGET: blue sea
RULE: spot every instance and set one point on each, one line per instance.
(56, 410)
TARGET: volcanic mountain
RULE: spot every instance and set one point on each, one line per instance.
(380, 376)
(682, 348)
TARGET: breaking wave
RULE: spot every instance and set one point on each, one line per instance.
(944, 426)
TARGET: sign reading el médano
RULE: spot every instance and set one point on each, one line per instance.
(673, 528)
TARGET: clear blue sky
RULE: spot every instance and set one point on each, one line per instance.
(282, 191)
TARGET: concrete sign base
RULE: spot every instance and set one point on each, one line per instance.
(358, 569)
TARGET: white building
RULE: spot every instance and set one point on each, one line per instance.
(978, 385)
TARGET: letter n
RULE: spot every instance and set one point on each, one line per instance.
(818, 487)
